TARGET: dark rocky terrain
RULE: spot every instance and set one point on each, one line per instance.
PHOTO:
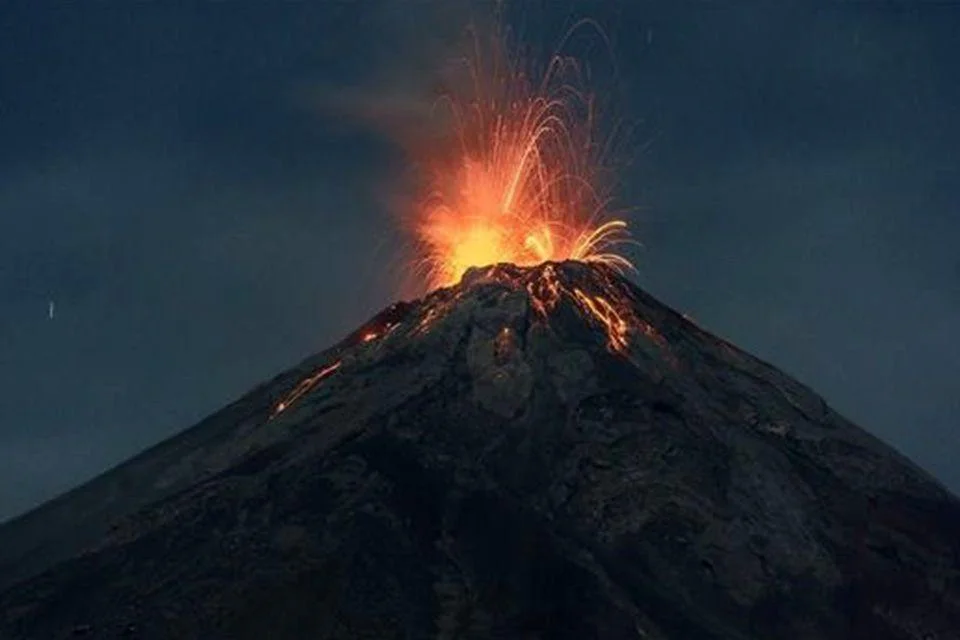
(535, 453)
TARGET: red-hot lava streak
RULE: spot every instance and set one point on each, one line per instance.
(597, 293)
(601, 298)
(305, 386)
(520, 178)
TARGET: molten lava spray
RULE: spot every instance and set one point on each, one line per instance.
(521, 177)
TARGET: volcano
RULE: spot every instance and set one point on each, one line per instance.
(536, 452)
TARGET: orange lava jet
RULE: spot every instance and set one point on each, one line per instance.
(519, 178)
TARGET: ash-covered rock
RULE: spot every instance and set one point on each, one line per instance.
(534, 453)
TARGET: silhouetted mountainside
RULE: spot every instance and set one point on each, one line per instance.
(540, 452)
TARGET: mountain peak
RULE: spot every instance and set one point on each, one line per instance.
(535, 452)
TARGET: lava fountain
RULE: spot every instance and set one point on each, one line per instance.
(520, 176)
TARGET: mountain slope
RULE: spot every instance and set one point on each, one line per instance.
(535, 453)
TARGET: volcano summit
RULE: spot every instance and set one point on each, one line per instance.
(536, 452)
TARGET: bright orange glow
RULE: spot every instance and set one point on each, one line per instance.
(520, 178)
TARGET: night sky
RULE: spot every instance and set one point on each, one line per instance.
(184, 182)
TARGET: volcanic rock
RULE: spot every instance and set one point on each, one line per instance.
(541, 452)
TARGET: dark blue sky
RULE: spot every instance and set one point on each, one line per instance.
(172, 176)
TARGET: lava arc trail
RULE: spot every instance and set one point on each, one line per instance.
(520, 178)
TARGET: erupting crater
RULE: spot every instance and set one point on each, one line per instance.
(590, 299)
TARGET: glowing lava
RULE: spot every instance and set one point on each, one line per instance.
(597, 294)
(305, 386)
(601, 299)
(520, 177)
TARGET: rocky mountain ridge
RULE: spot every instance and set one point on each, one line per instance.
(542, 452)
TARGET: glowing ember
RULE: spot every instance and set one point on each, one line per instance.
(435, 312)
(304, 387)
(519, 179)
